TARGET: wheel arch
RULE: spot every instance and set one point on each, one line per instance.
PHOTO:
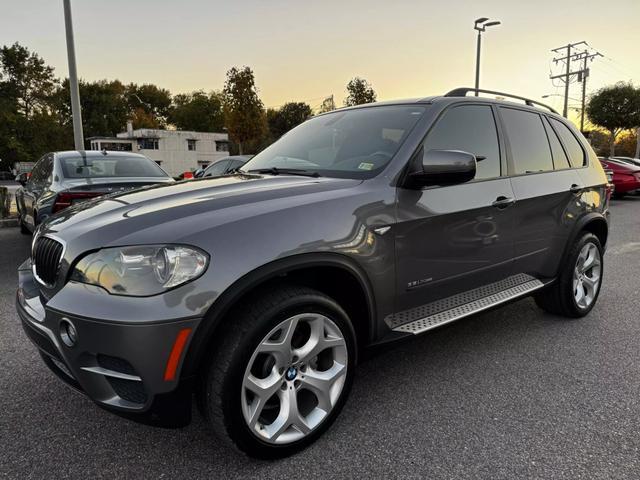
(593, 222)
(333, 274)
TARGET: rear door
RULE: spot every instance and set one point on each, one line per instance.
(546, 186)
(455, 238)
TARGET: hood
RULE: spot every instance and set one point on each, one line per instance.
(167, 213)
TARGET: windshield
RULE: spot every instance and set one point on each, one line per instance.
(349, 144)
(110, 167)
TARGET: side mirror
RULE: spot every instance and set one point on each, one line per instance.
(445, 167)
(22, 179)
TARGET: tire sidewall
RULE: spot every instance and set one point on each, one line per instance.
(235, 423)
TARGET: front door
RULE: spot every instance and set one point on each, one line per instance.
(450, 239)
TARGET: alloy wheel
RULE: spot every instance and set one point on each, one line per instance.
(587, 275)
(294, 378)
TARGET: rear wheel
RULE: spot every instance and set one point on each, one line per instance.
(281, 374)
(576, 290)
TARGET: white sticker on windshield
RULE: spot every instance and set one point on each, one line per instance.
(365, 166)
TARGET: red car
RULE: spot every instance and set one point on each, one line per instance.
(626, 177)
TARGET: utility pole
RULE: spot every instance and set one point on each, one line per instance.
(566, 77)
(76, 112)
(582, 76)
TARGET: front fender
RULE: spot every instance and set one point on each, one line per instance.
(232, 295)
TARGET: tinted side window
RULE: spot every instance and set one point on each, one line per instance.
(576, 154)
(217, 168)
(47, 170)
(472, 129)
(528, 141)
(235, 164)
(37, 173)
(560, 160)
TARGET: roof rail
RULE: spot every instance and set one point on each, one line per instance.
(462, 92)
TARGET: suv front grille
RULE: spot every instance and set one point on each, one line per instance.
(46, 259)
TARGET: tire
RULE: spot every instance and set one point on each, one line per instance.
(618, 196)
(574, 293)
(225, 399)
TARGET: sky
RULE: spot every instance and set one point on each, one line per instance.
(305, 51)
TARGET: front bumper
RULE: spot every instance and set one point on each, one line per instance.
(123, 367)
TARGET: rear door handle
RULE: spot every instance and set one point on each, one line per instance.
(503, 202)
(576, 188)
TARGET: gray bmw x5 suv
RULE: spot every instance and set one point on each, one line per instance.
(258, 292)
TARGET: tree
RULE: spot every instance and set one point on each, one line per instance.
(243, 110)
(615, 108)
(150, 105)
(104, 107)
(290, 115)
(360, 92)
(327, 105)
(25, 78)
(28, 128)
(198, 111)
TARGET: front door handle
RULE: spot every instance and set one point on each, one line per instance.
(575, 188)
(503, 202)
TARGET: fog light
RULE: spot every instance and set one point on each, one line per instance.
(68, 333)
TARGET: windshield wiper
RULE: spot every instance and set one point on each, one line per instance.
(285, 171)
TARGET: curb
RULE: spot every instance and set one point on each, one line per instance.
(8, 222)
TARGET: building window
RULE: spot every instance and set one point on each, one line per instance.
(191, 145)
(115, 146)
(148, 143)
(222, 146)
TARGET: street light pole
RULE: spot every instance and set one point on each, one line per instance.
(480, 26)
(76, 111)
(478, 44)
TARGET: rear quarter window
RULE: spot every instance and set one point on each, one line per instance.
(571, 143)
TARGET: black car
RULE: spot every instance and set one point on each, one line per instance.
(224, 166)
(258, 292)
(61, 179)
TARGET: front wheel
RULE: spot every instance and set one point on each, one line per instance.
(281, 373)
(576, 290)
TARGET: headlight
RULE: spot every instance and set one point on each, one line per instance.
(141, 270)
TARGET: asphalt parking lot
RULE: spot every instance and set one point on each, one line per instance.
(512, 393)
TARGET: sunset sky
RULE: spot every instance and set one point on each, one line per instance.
(304, 51)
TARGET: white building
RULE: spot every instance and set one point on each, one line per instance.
(174, 150)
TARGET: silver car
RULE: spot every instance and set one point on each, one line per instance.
(61, 179)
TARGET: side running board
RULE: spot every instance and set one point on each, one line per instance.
(423, 318)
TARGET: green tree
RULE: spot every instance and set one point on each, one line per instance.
(243, 110)
(149, 105)
(26, 79)
(28, 128)
(290, 115)
(198, 111)
(359, 92)
(615, 108)
(104, 107)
